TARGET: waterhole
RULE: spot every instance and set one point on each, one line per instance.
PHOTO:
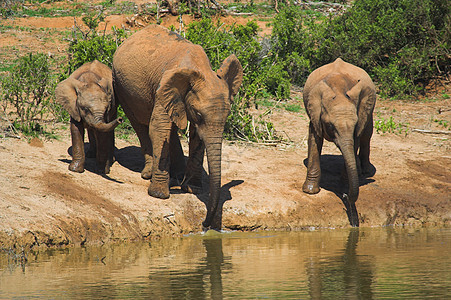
(365, 263)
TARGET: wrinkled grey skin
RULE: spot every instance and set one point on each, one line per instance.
(162, 81)
(339, 99)
(87, 95)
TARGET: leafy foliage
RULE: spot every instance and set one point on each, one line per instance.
(293, 41)
(86, 47)
(390, 126)
(260, 76)
(402, 44)
(27, 89)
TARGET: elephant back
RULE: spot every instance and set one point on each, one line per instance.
(142, 59)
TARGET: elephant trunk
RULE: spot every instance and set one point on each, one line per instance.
(99, 124)
(347, 149)
(106, 127)
(214, 147)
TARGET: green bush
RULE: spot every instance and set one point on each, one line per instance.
(262, 76)
(27, 89)
(390, 126)
(86, 47)
(294, 41)
(402, 44)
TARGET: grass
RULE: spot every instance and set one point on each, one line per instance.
(294, 107)
(71, 9)
(291, 107)
(443, 123)
(389, 125)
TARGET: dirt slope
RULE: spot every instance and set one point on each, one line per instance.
(43, 203)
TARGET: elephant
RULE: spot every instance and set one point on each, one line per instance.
(162, 81)
(87, 95)
(339, 99)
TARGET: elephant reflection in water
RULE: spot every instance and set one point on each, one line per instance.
(193, 282)
(345, 276)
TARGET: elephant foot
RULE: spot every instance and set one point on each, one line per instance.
(103, 170)
(311, 187)
(192, 189)
(146, 173)
(159, 190)
(77, 166)
(176, 179)
(192, 185)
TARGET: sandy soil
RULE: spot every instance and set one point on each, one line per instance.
(43, 204)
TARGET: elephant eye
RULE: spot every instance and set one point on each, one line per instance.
(198, 116)
(330, 127)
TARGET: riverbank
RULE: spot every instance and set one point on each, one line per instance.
(43, 204)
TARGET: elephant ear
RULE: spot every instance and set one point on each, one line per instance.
(232, 72)
(66, 95)
(174, 86)
(314, 103)
(364, 95)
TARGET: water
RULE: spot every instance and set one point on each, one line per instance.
(390, 263)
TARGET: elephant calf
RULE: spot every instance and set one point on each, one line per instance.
(87, 95)
(339, 99)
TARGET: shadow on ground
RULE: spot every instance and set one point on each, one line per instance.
(333, 180)
(90, 164)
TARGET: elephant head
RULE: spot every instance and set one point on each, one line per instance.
(88, 98)
(340, 108)
(204, 99)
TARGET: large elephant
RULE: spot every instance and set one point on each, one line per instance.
(162, 81)
(339, 99)
(87, 95)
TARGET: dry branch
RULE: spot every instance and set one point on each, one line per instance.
(431, 131)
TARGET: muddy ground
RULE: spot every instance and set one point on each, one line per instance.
(43, 204)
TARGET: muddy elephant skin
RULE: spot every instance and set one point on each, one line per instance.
(162, 81)
(339, 99)
(87, 95)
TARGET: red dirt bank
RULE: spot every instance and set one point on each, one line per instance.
(44, 204)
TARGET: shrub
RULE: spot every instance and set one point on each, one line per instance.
(86, 47)
(27, 89)
(403, 44)
(390, 126)
(261, 75)
(294, 41)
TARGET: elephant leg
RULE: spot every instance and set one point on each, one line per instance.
(315, 144)
(177, 159)
(192, 183)
(104, 154)
(91, 153)
(364, 153)
(160, 132)
(142, 131)
(77, 131)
